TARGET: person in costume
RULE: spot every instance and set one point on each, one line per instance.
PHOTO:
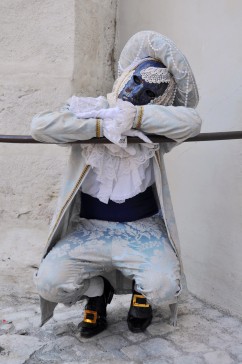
(114, 230)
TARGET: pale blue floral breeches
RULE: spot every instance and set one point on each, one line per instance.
(140, 250)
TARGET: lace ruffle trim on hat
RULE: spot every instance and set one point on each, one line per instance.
(155, 75)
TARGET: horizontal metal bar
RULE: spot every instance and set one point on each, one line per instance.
(228, 135)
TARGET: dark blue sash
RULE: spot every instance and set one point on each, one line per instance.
(135, 208)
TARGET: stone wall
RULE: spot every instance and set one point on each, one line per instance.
(49, 51)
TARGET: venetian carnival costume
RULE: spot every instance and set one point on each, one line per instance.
(114, 224)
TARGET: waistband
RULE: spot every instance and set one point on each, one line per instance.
(135, 208)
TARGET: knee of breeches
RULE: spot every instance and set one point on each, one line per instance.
(55, 284)
(163, 288)
(47, 285)
(49, 280)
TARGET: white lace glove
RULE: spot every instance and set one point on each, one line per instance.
(118, 122)
(115, 121)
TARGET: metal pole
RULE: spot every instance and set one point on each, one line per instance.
(27, 139)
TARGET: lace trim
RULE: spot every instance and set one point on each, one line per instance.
(155, 75)
(110, 163)
(168, 97)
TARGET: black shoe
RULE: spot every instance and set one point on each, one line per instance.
(140, 313)
(95, 313)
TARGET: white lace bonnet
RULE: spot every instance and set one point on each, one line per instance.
(155, 45)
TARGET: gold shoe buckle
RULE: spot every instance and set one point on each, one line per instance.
(136, 304)
(87, 318)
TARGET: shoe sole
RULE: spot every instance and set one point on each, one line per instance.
(92, 332)
(143, 327)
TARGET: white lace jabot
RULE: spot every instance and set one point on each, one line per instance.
(117, 173)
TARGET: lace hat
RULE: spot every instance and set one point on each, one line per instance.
(157, 46)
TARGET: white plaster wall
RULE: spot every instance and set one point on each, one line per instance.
(205, 177)
(50, 50)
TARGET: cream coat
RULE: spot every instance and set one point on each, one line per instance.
(177, 123)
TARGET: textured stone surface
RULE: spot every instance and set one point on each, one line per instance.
(135, 352)
(159, 347)
(113, 342)
(50, 50)
(236, 351)
(59, 341)
(188, 360)
(216, 357)
(18, 348)
(21, 247)
(161, 328)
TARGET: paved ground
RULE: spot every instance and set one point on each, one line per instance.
(203, 335)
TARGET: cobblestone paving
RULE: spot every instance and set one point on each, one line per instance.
(204, 335)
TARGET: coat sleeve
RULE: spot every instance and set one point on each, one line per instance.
(63, 127)
(174, 122)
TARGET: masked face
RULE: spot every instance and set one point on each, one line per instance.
(141, 88)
